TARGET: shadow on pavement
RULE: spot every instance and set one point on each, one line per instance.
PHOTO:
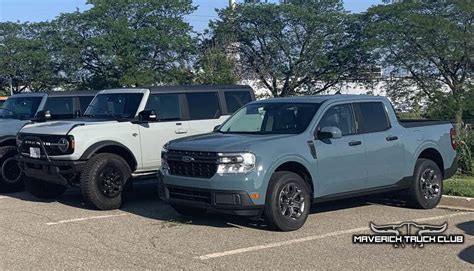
(467, 254)
(142, 200)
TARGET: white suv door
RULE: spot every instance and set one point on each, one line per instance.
(170, 125)
(204, 111)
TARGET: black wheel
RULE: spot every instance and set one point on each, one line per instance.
(11, 177)
(42, 189)
(189, 211)
(426, 188)
(103, 179)
(288, 201)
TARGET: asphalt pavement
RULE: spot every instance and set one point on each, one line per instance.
(147, 234)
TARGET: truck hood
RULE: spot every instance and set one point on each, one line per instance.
(217, 142)
(10, 127)
(60, 127)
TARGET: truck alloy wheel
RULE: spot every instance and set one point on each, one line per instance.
(111, 181)
(426, 188)
(430, 184)
(292, 202)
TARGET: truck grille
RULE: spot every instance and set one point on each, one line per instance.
(33, 140)
(192, 163)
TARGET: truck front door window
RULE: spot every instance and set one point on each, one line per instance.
(339, 116)
(166, 106)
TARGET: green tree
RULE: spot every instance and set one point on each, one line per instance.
(127, 43)
(214, 65)
(25, 57)
(290, 48)
(433, 42)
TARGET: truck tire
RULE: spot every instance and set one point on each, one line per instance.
(426, 189)
(103, 179)
(42, 189)
(189, 211)
(287, 201)
(11, 177)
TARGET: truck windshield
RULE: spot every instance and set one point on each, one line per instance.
(271, 118)
(114, 105)
(20, 108)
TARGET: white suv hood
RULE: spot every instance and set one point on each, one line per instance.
(58, 127)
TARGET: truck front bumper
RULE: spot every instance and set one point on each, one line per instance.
(54, 171)
(233, 202)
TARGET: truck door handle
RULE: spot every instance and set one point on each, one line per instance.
(180, 131)
(391, 138)
(355, 143)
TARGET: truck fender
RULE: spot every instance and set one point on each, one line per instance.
(93, 149)
(5, 139)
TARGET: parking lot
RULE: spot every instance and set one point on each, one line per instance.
(148, 234)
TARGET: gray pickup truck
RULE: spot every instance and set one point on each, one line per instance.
(276, 157)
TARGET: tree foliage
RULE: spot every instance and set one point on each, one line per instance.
(433, 42)
(290, 48)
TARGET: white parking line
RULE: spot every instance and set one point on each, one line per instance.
(309, 238)
(83, 219)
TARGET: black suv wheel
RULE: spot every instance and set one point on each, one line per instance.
(103, 179)
(288, 201)
(11, 177)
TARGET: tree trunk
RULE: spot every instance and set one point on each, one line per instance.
(458, 115)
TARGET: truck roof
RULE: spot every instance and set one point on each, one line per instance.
(57, 93)
(183, 88)
(320, 98)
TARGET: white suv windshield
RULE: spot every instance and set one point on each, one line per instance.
(116, 105)
(20, 108)
(271, 118)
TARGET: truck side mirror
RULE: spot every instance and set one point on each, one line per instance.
(329, 132)
(147, 115)
(43, 115)
(216, 128)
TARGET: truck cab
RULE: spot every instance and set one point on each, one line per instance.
(23, 109)
(119, 138)
(276, 157)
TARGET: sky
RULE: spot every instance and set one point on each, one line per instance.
(42, 10)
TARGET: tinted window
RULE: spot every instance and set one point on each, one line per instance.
(60, 107)
(236, 99)
(372, 117)
(84, 102)
(166, 106)
(271, 118)
(339, 116)
(203, 105)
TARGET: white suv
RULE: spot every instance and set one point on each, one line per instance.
(120, 137)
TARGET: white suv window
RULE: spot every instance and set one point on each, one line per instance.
(166, 106)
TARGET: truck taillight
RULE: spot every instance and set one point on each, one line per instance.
(454, 142)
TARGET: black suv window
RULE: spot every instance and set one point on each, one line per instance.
(203, 105)
(339, 116)
(84, 102)
(60, 107)
(236, 99)
(372, 117)
(166, 106)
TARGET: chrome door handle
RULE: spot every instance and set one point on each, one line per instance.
(181, 131)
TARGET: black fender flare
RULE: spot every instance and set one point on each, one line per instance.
(4, 139)
(107, 143)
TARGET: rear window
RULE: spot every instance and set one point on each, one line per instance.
(236, 99)
(203, 105)
(372, 117)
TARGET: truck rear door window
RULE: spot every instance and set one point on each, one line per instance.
(166, 106)
(203, 105)
(371, 117)
(236, 99)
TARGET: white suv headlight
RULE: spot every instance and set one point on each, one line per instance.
(235, 162)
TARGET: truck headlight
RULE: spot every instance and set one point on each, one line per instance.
(235, 162)
(65, 144)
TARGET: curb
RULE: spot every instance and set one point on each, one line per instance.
(458, 203)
